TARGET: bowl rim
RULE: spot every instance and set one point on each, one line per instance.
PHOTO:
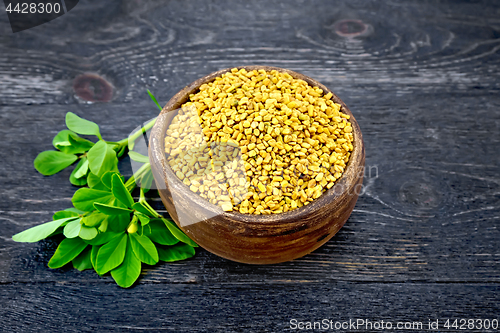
(158, 158)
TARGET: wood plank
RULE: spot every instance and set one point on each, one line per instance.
(422, 81)
(257, 307)
(424, 47)
(430, 215)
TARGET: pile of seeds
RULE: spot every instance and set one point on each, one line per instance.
(259, 142)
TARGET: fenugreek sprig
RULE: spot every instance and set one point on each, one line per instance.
(106, 230)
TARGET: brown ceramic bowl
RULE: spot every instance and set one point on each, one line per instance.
(256, 239)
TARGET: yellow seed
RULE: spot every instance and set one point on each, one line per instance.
(319, 176)
(278, 129)
(227, 206)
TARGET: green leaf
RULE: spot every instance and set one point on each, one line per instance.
(120, 192)
(160, 234)
(82, 170)
(104, 238)
(177, 252)
(104, 226)
(93, 256)
(85, 198)
(143, 218)
(87, 233)
(107, 178)
(93, 219)
(111, 254)
(154, 100)
(138, 206)
(68, 250)
(82, 126)
(62, 214)
(145, 229)
(50, 162)
(70, 143)
(178, 233)
(41, 231)
(72, 229)
(78, 144)
(78, 181)
(102, 158)
(74, 210)
(83, 262)
(118, 223)
(144, 249)
(61, 141)
(95, 182)
(138, 157)
(128, 272)
(111, 210)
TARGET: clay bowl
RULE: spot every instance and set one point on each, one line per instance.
(256, 239)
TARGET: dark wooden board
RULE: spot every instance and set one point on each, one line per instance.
(257, 307)
(423, 83)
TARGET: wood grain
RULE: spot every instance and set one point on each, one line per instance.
(424, 87)
(237, 307)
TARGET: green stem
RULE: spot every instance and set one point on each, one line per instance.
(142, 197)
(138, 133)
(142, 200)
(131, 182)
(151, 209)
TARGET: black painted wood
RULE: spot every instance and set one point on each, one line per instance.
(422, 80)
(256, 307)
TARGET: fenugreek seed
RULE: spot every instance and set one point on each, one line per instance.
(227, 206)
(303, 196)
(284, 130)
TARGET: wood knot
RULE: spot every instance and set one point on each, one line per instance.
(420, 194)
(414, 192)
(350, 28)
(92, 88)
